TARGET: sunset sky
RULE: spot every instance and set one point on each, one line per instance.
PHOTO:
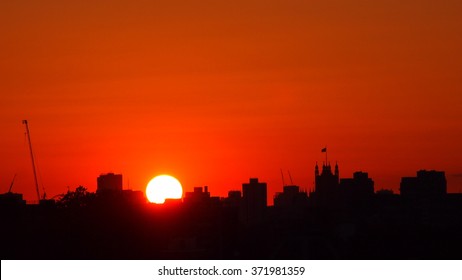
(215, 92)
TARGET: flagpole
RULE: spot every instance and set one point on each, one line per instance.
(326, 155)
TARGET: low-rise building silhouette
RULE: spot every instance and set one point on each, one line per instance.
(290, 197)
(11, 199)
(291, 202)
(233, 200)
(198, 196)
(427, 184)
(360, 187)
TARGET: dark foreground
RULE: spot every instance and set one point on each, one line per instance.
(386, 228)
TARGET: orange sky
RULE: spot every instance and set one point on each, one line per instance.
(214, 93)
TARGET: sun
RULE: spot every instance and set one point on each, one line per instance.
(162, 187)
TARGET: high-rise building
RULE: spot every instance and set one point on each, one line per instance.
(109, 182)
(254, 197)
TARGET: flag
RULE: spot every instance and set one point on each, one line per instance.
(324, 150)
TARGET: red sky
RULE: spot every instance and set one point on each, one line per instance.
(214, 93)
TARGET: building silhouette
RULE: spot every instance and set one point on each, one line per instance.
(233, 200)
(427, 184)
(11, 199)
(360, 187)
(290, 197)
(254, 202)
(341, 219)
(326, 189)
(291, 203)
(110, 182)
(200, 197)
(327, 182)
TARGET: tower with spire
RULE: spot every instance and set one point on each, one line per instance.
(326, 181)
(326, 189)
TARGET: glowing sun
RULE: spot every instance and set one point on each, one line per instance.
(163, 187)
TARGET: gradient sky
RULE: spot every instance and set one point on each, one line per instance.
(215, 92)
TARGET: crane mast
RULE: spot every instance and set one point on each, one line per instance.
(32, 158)
(12, 182)
(290, 178)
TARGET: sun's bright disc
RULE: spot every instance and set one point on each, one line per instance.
(163, 187)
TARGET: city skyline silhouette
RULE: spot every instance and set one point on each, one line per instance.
(343, 114)
(342, 218)
(57, 191)
(126, 183)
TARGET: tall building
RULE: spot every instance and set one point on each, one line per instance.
(254, 197)
(427, 184)
(326, 189)
(109, 182)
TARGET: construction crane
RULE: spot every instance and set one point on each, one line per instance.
(32, 158)
(290, 178)
(12, 182)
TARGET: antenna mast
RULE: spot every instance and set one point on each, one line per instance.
(32, 158)
(326, 154)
